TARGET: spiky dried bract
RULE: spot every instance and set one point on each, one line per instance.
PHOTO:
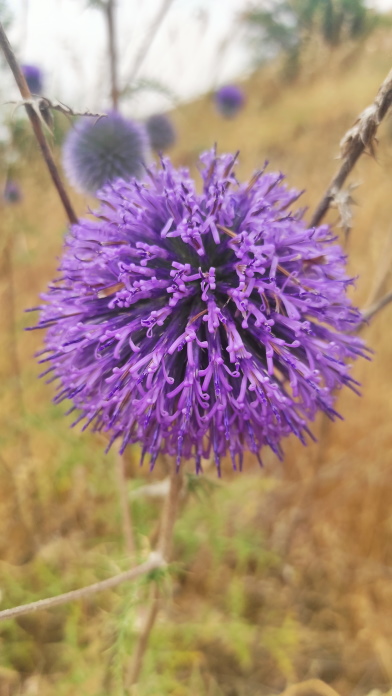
(200, 323)
(99, 151)
(229, 100)
(161, 132)
(12, 192)
(34, 78)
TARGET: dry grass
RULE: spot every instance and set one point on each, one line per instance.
(286, 573)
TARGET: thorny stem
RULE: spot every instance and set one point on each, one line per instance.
(168, 519)
(36, 124)
(155, 561)
(359, 138)
(148, 39)
(142, 644)
(110, 16)
(7, 272)
(125, 505)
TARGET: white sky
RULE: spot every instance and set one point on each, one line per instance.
(198, 46)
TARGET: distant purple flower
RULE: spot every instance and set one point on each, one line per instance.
(98, 151)
(199, 323)
(12, 192)
(229, 100)
(161, 132)
(34, 78)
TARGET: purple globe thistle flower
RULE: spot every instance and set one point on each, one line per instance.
(160, 132)
(200, 323)
(12, 192)
(229, 100)
(34, 78)
(97, 152)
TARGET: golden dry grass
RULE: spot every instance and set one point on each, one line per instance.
(286, 573)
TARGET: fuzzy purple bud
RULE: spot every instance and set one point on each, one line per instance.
(200, 323)
(99, 151)
(160, 132)
(34, 78)
(229, 100)
(12, 192)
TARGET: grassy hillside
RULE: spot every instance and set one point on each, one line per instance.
(280, 575)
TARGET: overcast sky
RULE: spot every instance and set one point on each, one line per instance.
(198, 46)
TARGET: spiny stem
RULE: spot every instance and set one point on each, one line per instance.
(36, 124)
(144, 636)
(169, 515)
(155, 561)
(125, 505)
(357, 139)
(6, 266)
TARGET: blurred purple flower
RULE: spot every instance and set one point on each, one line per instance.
(12, 192)
(200, 323)
(229, 100)
(34, 78)
(98, 151)
(160, 132)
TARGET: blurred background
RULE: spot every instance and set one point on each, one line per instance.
(282, 574)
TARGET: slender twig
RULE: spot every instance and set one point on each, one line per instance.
(383, 272)
(148, 39)
(136, 664)
(169, 514)
(360, 137)
(155, 561)
(37, 127)
(125, 506)
(112, 46)
(168, 519)
(376, 307)
(7, 272)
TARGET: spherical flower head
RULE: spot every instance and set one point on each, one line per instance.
(34, 78)
(229, 100)
(200, 324)
(160, 132)
(99, 151)
(12, 192)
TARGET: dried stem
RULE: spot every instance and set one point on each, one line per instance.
(7, 272)
(143, 639)
(359, 138)
(148, 39)
(110, 17)
(169, 513)
(168, 519)
(36, 124)
(383, 272)
(155, 561)
(125, 506)
(374, 308)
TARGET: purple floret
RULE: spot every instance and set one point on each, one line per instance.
(229, 100)
(12, 192)
(200, 324)
(34, 78)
